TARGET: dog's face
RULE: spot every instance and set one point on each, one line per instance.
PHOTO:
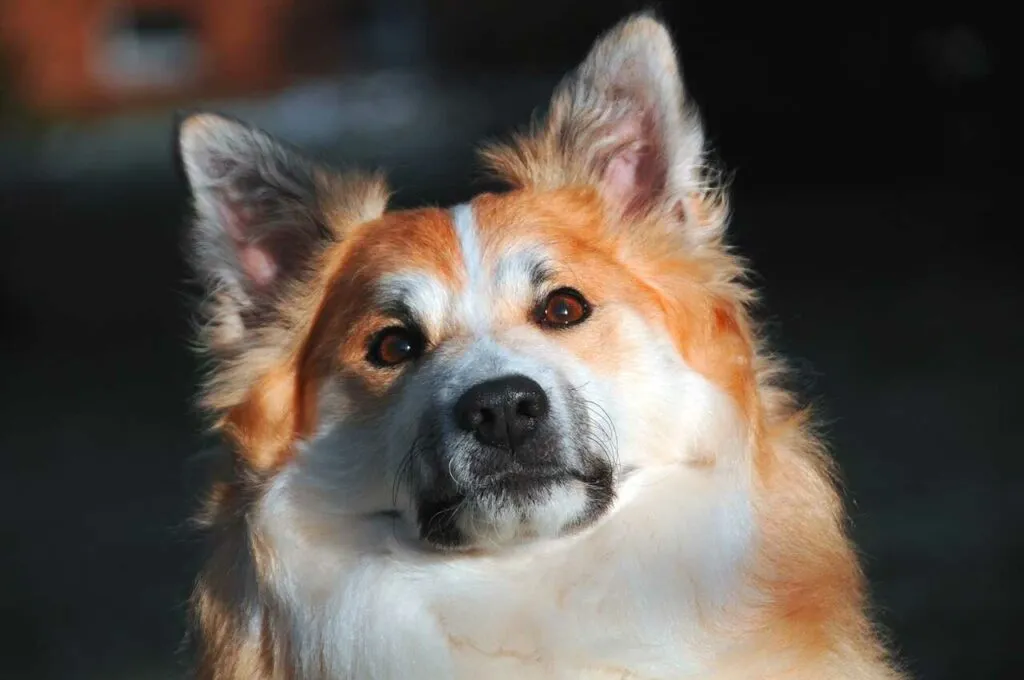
(500, 362)
(472, 371)
(487, 374)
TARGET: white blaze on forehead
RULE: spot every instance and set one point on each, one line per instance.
(469, 242)
(513, 278)
(473, 305)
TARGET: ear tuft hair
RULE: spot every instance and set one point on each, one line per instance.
(264, 214)
(620, 123)
(263, 211)
(257, 202)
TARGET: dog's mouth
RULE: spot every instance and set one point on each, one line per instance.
(515, 506)
(523, 482)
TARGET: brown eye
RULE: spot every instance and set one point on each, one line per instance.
(395, 345)
(563, 308)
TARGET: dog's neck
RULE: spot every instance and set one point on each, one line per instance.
(650, 577)
(698, 571)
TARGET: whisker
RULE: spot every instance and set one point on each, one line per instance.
(404, 470)
(605, 439)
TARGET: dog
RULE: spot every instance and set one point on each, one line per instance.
(535, 435)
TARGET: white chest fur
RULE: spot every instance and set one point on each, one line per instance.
(631, 597)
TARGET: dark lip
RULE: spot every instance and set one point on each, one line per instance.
(524, 480)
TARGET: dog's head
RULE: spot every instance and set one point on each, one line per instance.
(494, 372)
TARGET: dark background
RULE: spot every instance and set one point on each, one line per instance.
(868, 145)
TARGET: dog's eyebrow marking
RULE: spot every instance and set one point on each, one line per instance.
(520, 274)
(401, 312)
(541, 271)
(414, 297)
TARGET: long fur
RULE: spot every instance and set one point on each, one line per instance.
(733, 562)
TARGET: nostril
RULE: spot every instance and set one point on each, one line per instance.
(473, 419)
(529, 408)
(532, 404)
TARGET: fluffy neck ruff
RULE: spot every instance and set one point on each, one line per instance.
(712, 571)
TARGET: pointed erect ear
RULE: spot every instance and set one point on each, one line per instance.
(620, 123)
(263, 212)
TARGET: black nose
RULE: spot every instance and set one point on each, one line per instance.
(504, 412)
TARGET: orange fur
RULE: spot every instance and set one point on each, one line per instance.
(708, 325)
(813, 611)
(420, 239)
(806, 617)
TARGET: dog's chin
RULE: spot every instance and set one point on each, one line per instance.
(515, 509)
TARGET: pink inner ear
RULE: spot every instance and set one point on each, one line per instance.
(259, 267)
(232, 218)
(257, 264)
(620, 176)
(634, 174)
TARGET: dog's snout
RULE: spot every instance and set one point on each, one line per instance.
(503, 412)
